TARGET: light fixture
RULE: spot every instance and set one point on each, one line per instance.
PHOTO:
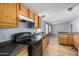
(71, 8)
(43, 16)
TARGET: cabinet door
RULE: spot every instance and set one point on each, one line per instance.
(36, 22)
(46, 41)
(70, 38)
(63, 39)
(9, 15)
(39, 22)
(1, 12)
(43, 44)
(23, 10)
(31, 14)
(75, 41)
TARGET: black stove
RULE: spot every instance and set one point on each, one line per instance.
(22, 38)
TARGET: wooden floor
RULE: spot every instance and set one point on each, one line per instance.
(55, 49)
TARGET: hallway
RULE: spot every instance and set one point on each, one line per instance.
(54, 49)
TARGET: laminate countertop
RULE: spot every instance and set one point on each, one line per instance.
(11, 49)
(39, 36)
(69, 33)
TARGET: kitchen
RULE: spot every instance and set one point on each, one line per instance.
(27, 29)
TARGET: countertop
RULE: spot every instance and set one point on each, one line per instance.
(11, 49)
(69, 33)
(39, 37)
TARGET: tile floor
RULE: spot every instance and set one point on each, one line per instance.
(55, 49)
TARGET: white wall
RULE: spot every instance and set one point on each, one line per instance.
(75, 25)
(5, 33)
(64, 27)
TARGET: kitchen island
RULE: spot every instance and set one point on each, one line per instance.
(69, 38)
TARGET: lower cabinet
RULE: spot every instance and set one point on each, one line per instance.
(63, 39)
(69, 39)
(22, 52)
(75, 41)
(45, 42)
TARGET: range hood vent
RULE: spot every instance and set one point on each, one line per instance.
(25, 19)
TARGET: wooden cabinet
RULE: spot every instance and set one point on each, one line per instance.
(75, 41)
(24, 10)
(63, 39)
(70, 39)
(22, 52)
(31, 14)
(36, 22)
(8, 15)
(45, 42)
(39, 22)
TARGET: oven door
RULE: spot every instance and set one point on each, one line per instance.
(35, 49)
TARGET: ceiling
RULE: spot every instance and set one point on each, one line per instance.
(55, 13)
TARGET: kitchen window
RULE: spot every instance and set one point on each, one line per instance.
(47, 29)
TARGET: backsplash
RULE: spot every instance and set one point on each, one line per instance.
(5, 33)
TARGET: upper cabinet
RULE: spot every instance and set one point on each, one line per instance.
(31, 14)
(8, 15)
(39, 22)
(23, 10)
(36, 21)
